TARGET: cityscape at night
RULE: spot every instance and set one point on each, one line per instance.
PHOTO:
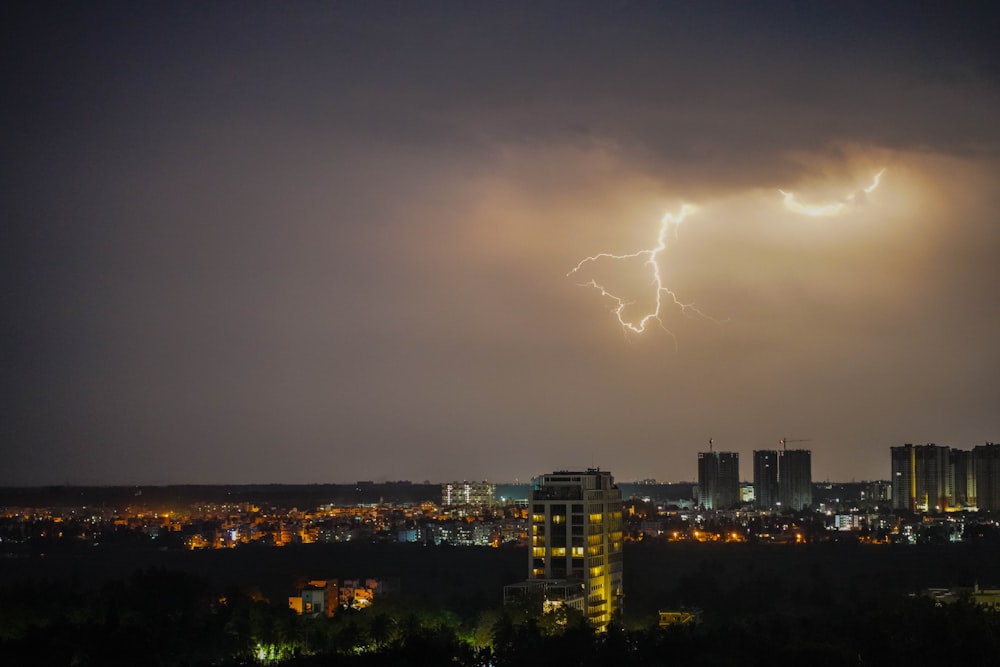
(615, 557)
(499, 334)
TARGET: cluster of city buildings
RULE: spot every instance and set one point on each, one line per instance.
(224, 526)
(936, 478)
(782, 479)
(574, 522)
(924, 478)
(575, 554)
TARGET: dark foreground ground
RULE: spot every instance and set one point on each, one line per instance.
(822, 604)
(719, 578)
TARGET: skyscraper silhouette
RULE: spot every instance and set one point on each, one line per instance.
(782, 478)
(795, 478)
(765, 478)
(987, 473)
(921, 480)
(718, 480)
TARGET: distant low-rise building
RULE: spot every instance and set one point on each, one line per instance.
(316, 597)
(477, 494)
(983, 597)
(324, 596)
(553, 593)
(877, 494)
(670, 617)
(987, 597)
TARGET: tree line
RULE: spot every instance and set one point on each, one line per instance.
(168, 618)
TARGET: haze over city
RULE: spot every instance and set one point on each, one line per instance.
(328, 242)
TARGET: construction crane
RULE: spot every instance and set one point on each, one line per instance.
(784, 442)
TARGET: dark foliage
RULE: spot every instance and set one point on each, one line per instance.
(827, 606)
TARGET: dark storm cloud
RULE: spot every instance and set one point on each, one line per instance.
(315, 242)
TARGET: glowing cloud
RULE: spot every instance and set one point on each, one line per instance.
(662, 293)
(833, 208)
(652, 261)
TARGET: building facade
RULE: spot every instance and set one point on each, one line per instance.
(765, 478)
(478, 494)
(718, 480)
(903, 478)
(921, 478)
(986, 463)
(795, 478)
(877, 494)
(576, 533)
(782, 478)
(553, 593)
(962, 478)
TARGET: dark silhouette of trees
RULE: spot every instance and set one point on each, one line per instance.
(823, 605)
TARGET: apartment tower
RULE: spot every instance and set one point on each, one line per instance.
(782, 478)
(576, 533)
(921, 478)
(795, 478)
(718, 480)
(765, 478)
(986, 462)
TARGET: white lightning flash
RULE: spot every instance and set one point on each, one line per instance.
(834, 208)
(652, 255)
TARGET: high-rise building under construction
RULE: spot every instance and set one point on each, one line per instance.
(782, 478)
(718, 480)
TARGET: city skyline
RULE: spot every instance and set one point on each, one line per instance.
(465, 484)
(306, 243)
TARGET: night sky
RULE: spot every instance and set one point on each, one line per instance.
(322, 242)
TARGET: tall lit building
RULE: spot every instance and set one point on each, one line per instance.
(903, 478)
(795, 478)
(986, 460)
(962, 478)
(921, 478)
(718, 480)
(576, 533)
(765, 478)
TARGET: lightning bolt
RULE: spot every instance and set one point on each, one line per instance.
(661, 292)
(639, 325)
(834, 208)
